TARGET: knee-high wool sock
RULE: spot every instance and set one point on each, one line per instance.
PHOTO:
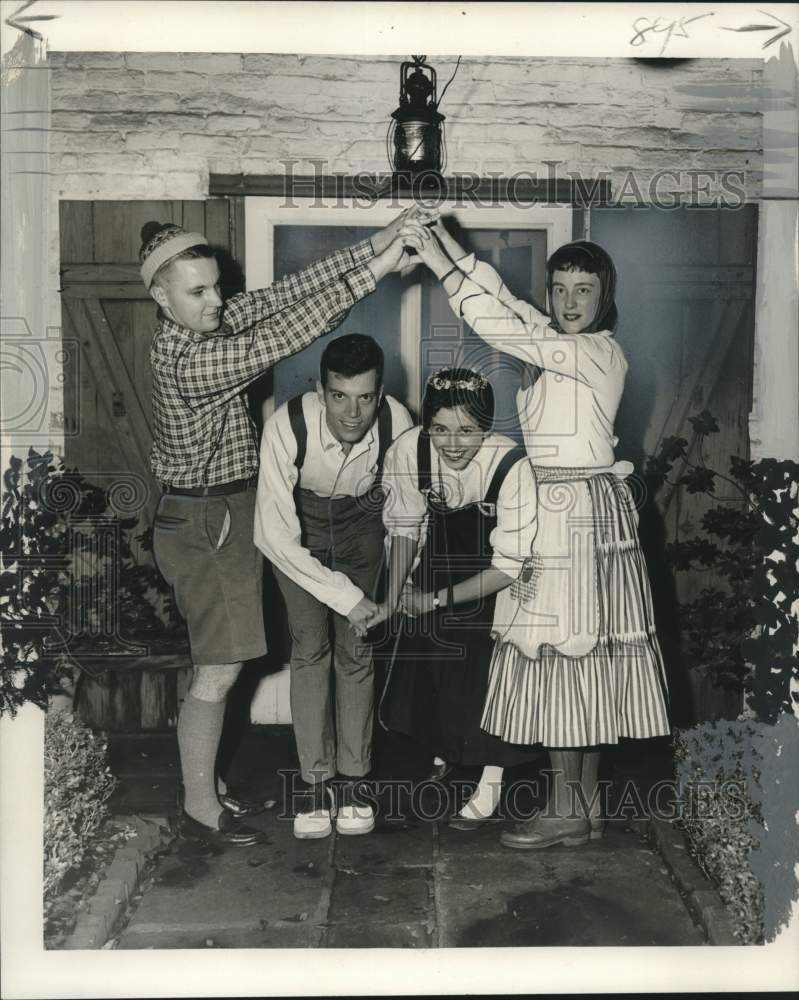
(199, 732)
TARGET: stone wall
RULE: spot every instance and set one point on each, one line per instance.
(155, 125)
(138, 125)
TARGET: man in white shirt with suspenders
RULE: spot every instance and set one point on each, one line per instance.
(318, 520)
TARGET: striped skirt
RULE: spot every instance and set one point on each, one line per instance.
(537, 692)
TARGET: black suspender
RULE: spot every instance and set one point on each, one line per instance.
(299, 428)
(385, 432)
(506, 464)
(424, 477)
(300, 431)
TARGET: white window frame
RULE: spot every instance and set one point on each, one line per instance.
(263, 214)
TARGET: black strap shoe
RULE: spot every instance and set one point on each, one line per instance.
(231, 833)
(234, 804)
(440, 771)
(240, 806)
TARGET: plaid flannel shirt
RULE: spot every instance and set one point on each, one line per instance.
(202, 431)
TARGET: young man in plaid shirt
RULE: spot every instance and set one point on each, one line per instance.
(203, 356)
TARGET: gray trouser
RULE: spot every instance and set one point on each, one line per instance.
(332, 721)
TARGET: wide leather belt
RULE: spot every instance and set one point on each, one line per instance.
(222, 489)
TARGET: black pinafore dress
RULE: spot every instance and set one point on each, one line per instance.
(438, 677)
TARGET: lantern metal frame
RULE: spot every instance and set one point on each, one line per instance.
(419, 111)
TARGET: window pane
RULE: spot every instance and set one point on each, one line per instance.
(378, 315)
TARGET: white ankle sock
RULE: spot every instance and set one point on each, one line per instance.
(485, 798)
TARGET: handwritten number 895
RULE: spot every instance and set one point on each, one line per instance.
(644, 25)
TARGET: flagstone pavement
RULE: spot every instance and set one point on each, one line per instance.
(414, 882)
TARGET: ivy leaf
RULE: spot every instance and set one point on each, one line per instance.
(704, 423)
(699, 480)
(740, 469)
(673, 448)
(732, 523)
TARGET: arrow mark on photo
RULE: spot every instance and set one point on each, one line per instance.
(764, 27)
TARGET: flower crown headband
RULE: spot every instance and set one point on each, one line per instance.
(474, 383)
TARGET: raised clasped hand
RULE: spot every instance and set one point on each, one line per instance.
(433, 254)
(416, 214)
(412, 236)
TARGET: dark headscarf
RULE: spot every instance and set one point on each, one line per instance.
(582, 255)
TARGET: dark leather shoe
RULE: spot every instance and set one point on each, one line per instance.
(527, 836)
(231, 833)
(234, 804)
(468, 823)
(440, 771)
(240, 806)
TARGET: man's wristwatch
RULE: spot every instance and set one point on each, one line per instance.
(436, 602)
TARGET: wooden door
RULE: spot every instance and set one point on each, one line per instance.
(107, 310)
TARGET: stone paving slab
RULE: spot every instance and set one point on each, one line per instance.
(392, 896)
(281, 887)
(395, 843)
(611, 892)
(234, 887)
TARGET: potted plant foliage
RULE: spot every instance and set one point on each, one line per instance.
(78, 597)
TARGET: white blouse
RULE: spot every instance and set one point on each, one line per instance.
(567, 415)
(405, 510)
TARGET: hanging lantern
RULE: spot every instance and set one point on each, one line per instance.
(415, 140)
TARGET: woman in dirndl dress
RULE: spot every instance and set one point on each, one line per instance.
(576, 662)
(460, 513)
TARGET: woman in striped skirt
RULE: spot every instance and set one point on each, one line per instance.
(576, 662)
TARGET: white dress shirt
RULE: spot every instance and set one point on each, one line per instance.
(405, 510)
(328, 472)
(567, 416)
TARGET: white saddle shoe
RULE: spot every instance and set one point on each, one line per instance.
(354, 820)
(316, 823)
